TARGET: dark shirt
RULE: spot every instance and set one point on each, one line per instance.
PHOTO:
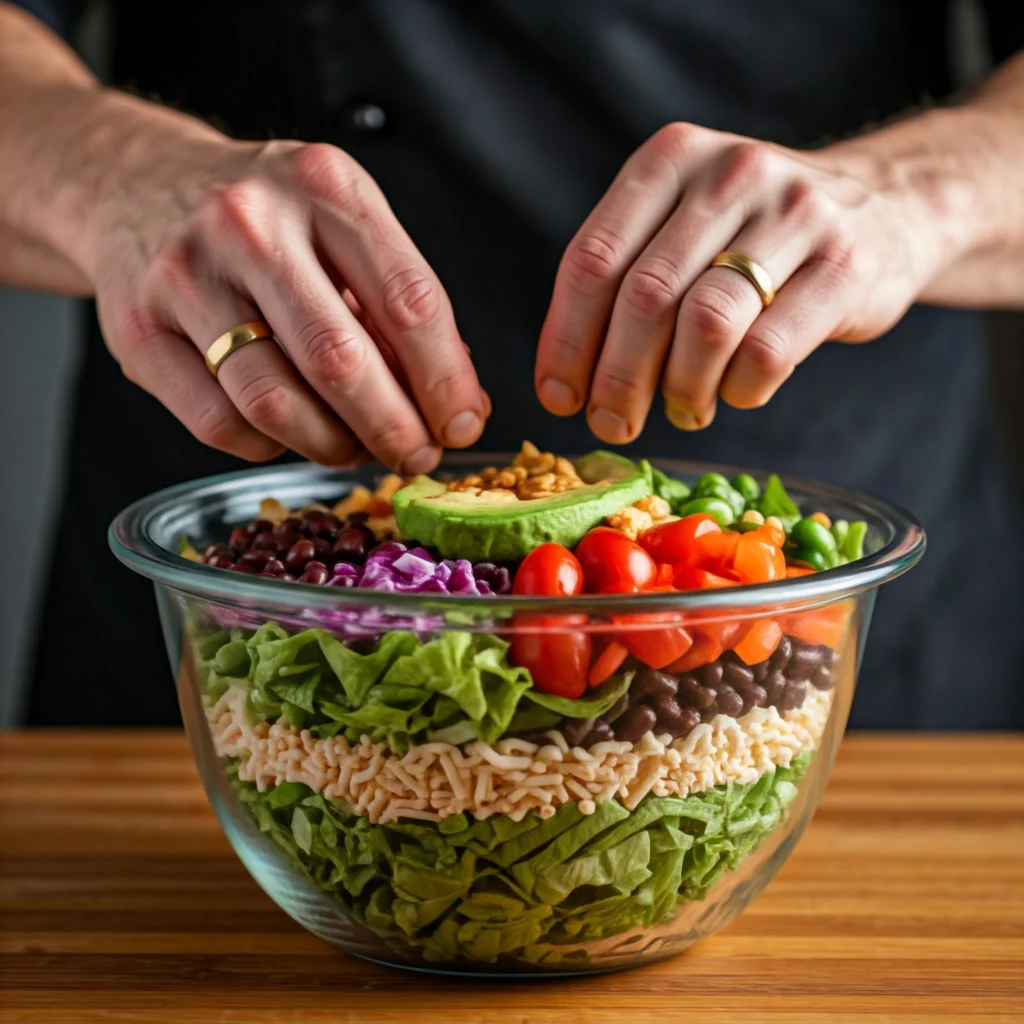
(505, 120)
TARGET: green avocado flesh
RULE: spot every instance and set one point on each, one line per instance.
(485, 527)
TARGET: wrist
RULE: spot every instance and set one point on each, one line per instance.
(932, 171)
(116, 143)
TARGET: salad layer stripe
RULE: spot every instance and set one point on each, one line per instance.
(433, 781)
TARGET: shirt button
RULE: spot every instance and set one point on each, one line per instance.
(367, 117)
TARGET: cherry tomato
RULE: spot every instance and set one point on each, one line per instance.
(771, 533)
(676, 541)
(654, 647)
(716, 551)
(614, 564)
(760, 642)
(549, 571)
(706, 649)
(757, 560)
(689, 577)
(558, 661)
(606, 663)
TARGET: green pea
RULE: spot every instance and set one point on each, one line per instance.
(748, 487)
(744, 527)
(708, 485)
(809, 533)
(732, 498)
(854, 546)
(721, 510)
(811, 557)
(840, 530)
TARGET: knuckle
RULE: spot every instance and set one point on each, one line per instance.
(805, 204)
(238, 215)
(334, 355)
(711, 313)
(616, 382)
(393, 438)
(842, 260)
(135, 325)
(742, 166)
(264, 400)
(595, 259)
(768, 350)
(651, 288)
(217, 426)
(172, 271)
(324, 173)
(411, 299)
(672, 140)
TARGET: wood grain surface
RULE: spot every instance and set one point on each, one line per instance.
(120, 900)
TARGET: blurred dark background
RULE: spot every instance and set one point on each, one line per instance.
(39, 338)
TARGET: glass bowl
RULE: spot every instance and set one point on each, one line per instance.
(394, 784)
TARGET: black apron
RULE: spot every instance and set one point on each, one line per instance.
(493, 128)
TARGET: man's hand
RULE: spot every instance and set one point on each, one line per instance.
(183, 234)
(198, 242)
(850, 236)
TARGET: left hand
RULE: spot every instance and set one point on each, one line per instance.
(637, 301)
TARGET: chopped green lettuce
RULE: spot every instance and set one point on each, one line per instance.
(533, 889)
(456, 688)
(775, 501)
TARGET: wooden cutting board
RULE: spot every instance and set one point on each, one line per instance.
(120, 900)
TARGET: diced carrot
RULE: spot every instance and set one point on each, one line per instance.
(706, 649)
(760, 642)
(606, 663)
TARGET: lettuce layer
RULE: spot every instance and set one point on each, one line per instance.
(531, 890)
(455, 689)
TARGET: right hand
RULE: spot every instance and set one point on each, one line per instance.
(215, 233)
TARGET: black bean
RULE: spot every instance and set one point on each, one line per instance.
(694, 695)
(321, 548)
(275, 567)
(221, 561)
(737, 674)
(761, 670)
(315, 572)
(617, 708)
(574, 729)
(689, 719)
(215, 551)
(257, 559)
(266, 541)
(259, 526)
(806, 660)
(792, 696)
(299, 554)
(754, 696)
(600, 732)
(711, 675)
(779, 658)
(822, 679)
(773, 687)
(350, 546)
(829, 658)
(728, 701)
(651, 683)
(356, 517)
(289, 526)
(244, 567)
(636, 722)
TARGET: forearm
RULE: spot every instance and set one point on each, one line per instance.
(961, 166)
(68, 144)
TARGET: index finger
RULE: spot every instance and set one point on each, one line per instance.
(395, 285)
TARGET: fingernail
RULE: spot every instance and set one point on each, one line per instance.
(422, 461)
(462, 429)
(557, 397)
(609, 427)
(681, 418)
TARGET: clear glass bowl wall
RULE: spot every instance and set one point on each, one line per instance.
(546, 846)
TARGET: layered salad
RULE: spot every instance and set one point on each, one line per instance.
(521, 791)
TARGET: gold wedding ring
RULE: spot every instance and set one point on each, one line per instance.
(231, 341)
(753, 272)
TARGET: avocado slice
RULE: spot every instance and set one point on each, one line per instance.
(499, 527)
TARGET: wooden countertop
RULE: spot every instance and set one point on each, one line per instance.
(121, 900)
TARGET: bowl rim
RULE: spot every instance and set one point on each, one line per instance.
(132, 540)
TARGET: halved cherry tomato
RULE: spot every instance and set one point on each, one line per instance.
(728, 634)
(612, 563)
(665, 575)
(826, 626)
(706, 649)
(757, 560)
(717, 551)
(689, 577)
(606, 663)
(654, 647)
(557, 661)
(772, 533)
(675, 541)
(549, 571)
(760, 642)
